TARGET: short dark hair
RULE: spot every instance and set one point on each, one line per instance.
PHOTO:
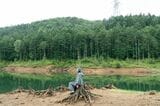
(79, 70)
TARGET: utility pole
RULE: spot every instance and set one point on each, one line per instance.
(116, 7)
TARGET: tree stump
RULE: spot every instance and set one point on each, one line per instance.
(80, 94)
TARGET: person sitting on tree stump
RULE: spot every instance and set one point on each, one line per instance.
(78, 82)
(78, 91)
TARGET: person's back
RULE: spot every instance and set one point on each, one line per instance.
(79, 77)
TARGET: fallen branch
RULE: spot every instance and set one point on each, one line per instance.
(47, 92)
(110, 86)
(61, 88)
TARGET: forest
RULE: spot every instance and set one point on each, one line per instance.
(121, 37)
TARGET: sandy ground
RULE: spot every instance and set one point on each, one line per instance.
(117, 71)
(88, 71)
(110, 97)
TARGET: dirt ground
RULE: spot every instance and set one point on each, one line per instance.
(117, 71)
(110, 97)
(88, 71)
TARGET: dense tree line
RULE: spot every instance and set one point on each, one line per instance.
(120, 37)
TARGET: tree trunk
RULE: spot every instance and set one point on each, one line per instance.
(148, 51)
(78, 54)
(44, 54)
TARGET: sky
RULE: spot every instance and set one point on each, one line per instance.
(14, 12)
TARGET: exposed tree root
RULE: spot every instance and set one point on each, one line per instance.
(47, 92)
(79, 94)
(110, 86)
(61, 88)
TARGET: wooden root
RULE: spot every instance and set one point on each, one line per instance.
(110, 86)
(47, 92)
(61, 88)
(80, 94)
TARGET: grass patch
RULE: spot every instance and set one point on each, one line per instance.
(3, 63)
(31, 63)
(88, 63)
(113, 63)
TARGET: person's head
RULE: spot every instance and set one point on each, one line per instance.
(79, 70)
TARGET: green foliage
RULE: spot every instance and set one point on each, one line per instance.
(88, 63)
(43, 46)
(31, 63)
(118, 65)
(18, 45)
(3, 64)
(122, 37)
(113, 63)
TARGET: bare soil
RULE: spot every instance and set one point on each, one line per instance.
(88, 71)
(117, 71)
(110, 97)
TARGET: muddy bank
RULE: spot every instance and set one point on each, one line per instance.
(88, 71)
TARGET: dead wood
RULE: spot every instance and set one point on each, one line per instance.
(80, 94)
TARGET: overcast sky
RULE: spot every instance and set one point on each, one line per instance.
(13, 12)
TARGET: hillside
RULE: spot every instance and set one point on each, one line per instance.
(121, 37)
